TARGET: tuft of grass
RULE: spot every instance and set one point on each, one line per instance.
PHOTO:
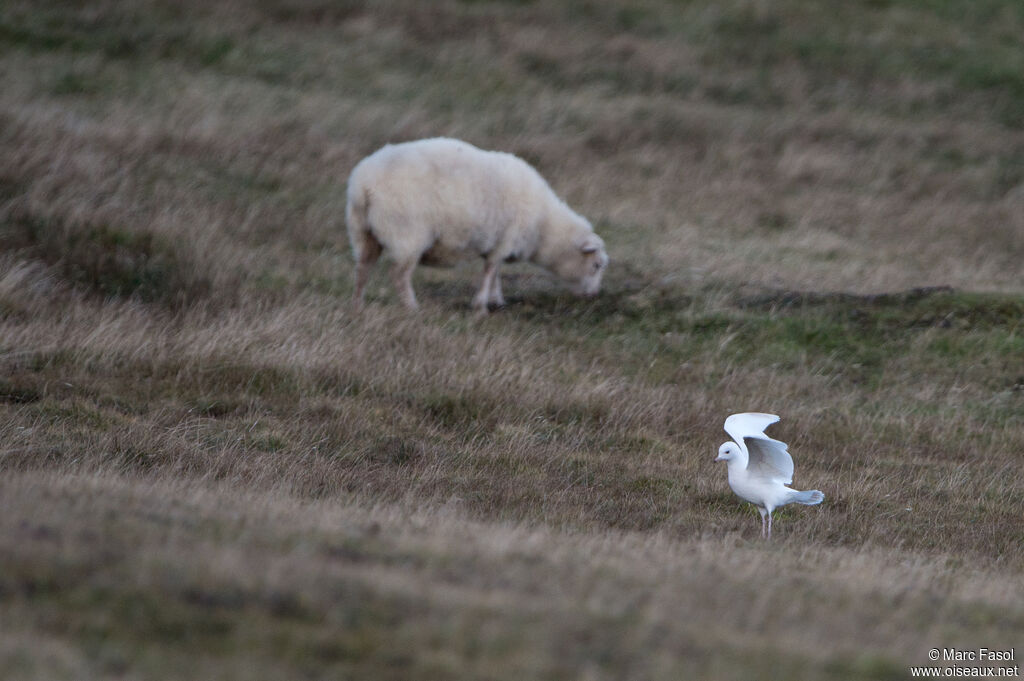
(77, 83)
(16, 393)
(110, 261)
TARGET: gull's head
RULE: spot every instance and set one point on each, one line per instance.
(727, 451)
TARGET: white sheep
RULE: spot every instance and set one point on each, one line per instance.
(435, 201)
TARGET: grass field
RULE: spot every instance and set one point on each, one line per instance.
(209, 469)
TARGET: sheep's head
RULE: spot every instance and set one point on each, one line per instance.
(584, 264)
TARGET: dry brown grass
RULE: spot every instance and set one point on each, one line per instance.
(369, 590)
(209, 469)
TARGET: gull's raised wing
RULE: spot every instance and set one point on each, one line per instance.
(766, 458)
(769, 459)
(750, 424)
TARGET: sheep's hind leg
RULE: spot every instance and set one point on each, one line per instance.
(401, 276)
(482, 296)
(367, 258)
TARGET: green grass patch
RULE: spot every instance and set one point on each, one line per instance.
(109, 260)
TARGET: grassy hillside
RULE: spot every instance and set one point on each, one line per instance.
(210, 469)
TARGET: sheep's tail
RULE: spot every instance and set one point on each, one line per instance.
(357, 218)
(809, 498)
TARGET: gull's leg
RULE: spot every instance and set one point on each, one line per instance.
(762, 512)
(769, 524)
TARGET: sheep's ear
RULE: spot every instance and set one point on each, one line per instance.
(590, 246)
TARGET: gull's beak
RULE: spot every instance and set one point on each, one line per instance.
(719, 458)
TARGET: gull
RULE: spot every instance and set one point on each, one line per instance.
(760, 467)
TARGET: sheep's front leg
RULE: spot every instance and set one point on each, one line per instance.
(482, 296)
(496, 298)
(401, 276)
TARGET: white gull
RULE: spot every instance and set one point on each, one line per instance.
(760, 467)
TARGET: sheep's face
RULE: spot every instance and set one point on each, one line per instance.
(585, 265)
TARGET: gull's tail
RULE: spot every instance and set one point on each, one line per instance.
(809, 498)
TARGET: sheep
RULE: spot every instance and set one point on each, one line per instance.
(436, 201)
